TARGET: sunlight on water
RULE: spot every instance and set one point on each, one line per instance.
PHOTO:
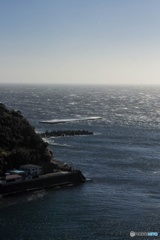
(122, 158)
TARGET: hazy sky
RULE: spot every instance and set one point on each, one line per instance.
(80, 41)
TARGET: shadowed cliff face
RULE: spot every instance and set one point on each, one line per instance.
(19, 143)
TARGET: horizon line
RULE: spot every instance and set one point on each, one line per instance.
(79, 84)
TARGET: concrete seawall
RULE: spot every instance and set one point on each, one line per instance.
(43, 182)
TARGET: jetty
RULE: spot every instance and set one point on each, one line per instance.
(65, 133)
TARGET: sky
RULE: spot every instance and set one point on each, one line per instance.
(80, 41)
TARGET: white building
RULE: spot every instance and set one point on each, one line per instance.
(32, 169)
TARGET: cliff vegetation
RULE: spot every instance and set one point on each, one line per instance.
(19, 143)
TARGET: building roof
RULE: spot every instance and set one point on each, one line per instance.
(17, 171)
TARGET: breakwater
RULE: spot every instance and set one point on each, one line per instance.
(57, 121)
(65, 133)
(50, 180)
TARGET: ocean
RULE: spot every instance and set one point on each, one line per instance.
(122, 158)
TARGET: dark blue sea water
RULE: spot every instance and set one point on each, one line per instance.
(122, 158)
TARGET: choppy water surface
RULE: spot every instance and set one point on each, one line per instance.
(122, 158)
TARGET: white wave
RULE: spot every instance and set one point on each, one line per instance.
(60, 145)
(157, 172)
(48, 140)
(89, 179)
(72, 103)
(51, 142)
(96, 134)
(55, 121)
(37, 195)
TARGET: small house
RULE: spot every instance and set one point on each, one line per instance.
(31, 169)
